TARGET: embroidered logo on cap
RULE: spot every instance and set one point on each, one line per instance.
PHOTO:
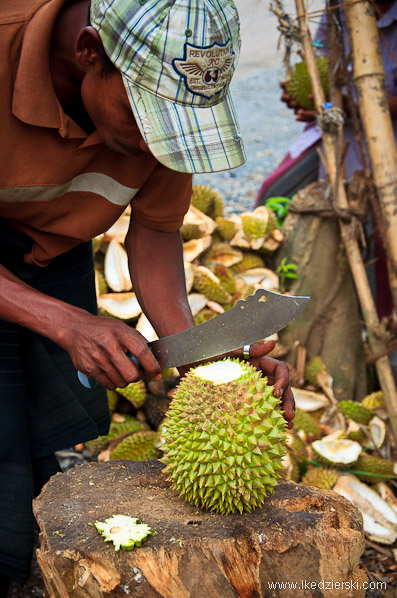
(206, 70)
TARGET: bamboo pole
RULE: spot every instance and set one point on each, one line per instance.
(369, 81)
(374, 329)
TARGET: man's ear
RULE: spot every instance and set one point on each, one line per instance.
(88, 47)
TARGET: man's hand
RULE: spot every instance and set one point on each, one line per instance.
(98, 348)
(277, 374)
(302, 114)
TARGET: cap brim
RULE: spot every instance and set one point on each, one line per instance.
(188, 139)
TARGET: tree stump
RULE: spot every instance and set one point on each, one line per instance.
(301, 536)
(330, 325)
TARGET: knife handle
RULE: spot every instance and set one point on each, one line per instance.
(91, 383)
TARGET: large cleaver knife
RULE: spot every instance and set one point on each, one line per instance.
(249, 321)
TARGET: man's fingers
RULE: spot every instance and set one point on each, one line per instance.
(261, 349)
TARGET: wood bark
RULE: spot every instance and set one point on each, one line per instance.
(330, 325)
(369, 81)
(376, 337)
(299, 534)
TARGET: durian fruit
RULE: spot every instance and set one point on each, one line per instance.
(117, 429)
(117, 273)
(250, 260)
(207, 201)
(375, 400)
(313, 368)
(304, 421)
(272, 223)
(125, 532)
(226, 227)
(113, 397)
(373, 465)
(299, 86)
(356, 412)
(208, 284)
(377, 431)
(138, 446)
(224, 437)
(226, 278)
(337, 453)
(324, 478)
(135, 393)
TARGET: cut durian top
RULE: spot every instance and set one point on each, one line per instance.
(124, 531)
(220, 372)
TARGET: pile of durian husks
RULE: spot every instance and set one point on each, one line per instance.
(343, 446)
(224, 260)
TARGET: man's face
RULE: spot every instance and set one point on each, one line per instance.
(106, 102)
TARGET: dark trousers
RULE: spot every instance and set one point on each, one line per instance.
(43, 406)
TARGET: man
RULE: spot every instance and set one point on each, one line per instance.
(121, 108)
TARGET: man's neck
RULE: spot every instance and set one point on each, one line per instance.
(66, 73)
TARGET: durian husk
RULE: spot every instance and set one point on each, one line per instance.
(226, 227)
(207, 201)
(380, 521)
(208, 284)
(324, 478)
(304, 421)
(124, 306)
(116, 271)
(138, 446)
(223, 254)
(196, 224)
(194, 248)
(309, 401)
(299, 85)
(336, 452)
(135, 393)
(118, 231)
(127, 425)
(291, 470)
(262, 278)
(378, 467)
(249, 262)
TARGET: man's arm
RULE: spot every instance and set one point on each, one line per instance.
(97, 345)
(157, 274)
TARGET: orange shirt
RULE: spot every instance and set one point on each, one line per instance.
(59, 185)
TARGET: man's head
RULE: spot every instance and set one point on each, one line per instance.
(176, 59)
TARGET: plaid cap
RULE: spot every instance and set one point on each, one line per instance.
(176, 58)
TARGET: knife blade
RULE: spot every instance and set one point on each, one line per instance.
(250, 320)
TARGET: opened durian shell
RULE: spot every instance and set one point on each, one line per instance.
(189, 276)
(196, 218)
(192, 249)
(262, 277)
(116, 272)
(124, 306)
(146, 329)
(380, 520)
(118, 231)
(309, 401)
(197, 302)
(337, 452)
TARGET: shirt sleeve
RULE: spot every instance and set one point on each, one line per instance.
(163, 200)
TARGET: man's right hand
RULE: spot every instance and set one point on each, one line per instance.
(98, 347)
(302, 115)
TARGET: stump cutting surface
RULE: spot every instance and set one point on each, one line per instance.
(299, 534)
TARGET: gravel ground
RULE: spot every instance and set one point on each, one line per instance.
(267, 127)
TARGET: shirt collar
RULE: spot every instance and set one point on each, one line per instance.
(34, 100)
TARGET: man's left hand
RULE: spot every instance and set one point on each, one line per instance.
(276, 372)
